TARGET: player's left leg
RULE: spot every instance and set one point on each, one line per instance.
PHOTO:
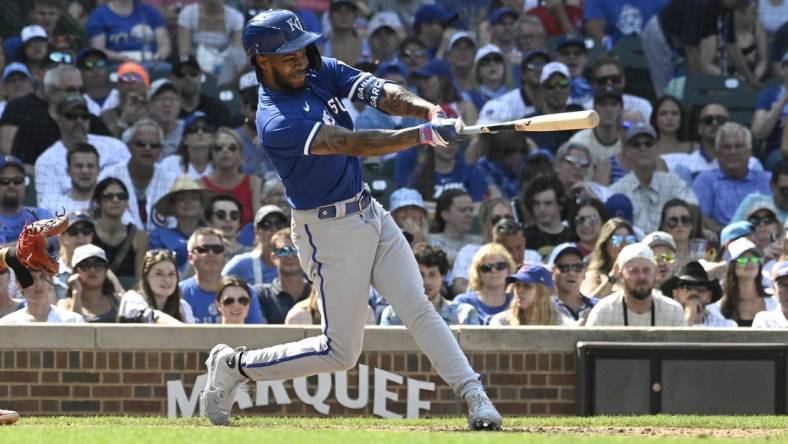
(395, 274)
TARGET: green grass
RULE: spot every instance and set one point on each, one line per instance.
(563, 430)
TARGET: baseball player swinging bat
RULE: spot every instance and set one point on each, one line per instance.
(548, 122)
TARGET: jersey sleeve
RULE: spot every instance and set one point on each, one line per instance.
(289, 136)
(356, 85)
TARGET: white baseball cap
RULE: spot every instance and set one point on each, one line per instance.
(405, 197)
(385, 19)
(740, 246)
(552, 68)
(459, 35)
(33, 32)
(486, 50)
(87, 251)
(638, 250)
(657, 238)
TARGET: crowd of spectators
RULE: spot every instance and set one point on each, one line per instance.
(137, 118)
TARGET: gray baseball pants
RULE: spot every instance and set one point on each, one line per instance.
(343, 256)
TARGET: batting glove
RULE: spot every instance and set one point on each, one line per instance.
(440, 132)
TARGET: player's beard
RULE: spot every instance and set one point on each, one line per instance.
(10, 202)
(285, 84)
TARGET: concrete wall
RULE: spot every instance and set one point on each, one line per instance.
(125, 369)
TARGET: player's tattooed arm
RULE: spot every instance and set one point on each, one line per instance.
(399, 101)
(338, 140)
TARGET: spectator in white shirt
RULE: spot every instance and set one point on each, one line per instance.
(158, 296)
(82, 168)
(73, 120)
(8, 304)
(637, 305)
(776, 317)
(692, 288)
(39, 306)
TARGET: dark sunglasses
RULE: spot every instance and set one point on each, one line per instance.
(92, 264)
(243, 300)
(643, 144)
(75, 231)
(231, 148)
(207, 129)
(286, 251)
(617, 240)
(486, 268)
(566, 268)
(12, 181)
(606, 80)
(115, 196)
(673, 222)
(700, 288)
(223, 215)
(93, 64)
(268, 224)
(708, 120)
(590, 220)
(151, 145)
(204, 249)
(765, 220)
(74, 116)
(558, 84)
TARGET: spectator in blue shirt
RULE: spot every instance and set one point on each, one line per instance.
(720, 190)
(618, 18)
(771, 112)
(129, 31)
(504, 161)
(487, 281)
(206, 255)
(256, 266)
(14, 215)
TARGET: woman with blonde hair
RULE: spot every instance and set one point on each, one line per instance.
(157, 298)
(531, 305)
(615, 234)
(487, 281)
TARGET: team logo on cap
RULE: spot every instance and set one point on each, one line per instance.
(295, 24)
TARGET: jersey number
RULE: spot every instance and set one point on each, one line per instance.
(336, 105)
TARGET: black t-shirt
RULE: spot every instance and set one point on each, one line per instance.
(215, 111)
(536, 239)
(36, 130)
(780, 43)
(687, 22)
(275, 302)
(551, 140)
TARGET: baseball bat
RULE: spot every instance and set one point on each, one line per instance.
(547, 122)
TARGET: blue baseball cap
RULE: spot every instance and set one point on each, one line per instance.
(619, 205)
(497, 14)
(736, 230)
(531, 274)
(571, 40)
(435, 67)
(406, 197)
(541, 152)
(16, 68)
(431, 13)
(562, 249)
(392, 67)
(11, 161)
(86, 52)
(192, 118)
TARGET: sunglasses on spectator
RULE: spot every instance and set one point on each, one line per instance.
(608, 80)
(497, 218)
(765, 220)
(150, 145)
(675, 221)
(557, 84)
(742, 261)
(243, 300)
(286, 251)
(213, 248)
(169, 254)
(709, 120)
(568, 53)
(700, 288)
(130, 77)
(74, 116)
(667, 258)
(92, 264)
(268, 224)
(204, 128)
(75, 231)
(617, 240)
(5, 181)
(224, 215)
(115, 196)
(69, 89)
(644, 144)
(535, 66)
(486, 268)
(566, 268)
(61, 57)
(231, 148)
(587, 220)
(509, 226)
(577, 162)
(94, 64)
(187, 73)
(413, 53)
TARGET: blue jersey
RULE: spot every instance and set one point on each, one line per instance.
(173, 240)
(288, 122)
(130, 33)
(11, 226)
(242, 266)
(204, 304)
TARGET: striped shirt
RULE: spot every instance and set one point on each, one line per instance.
(50, 168)
(647, 201)
(609, 311)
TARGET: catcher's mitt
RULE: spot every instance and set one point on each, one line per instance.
(30, 253)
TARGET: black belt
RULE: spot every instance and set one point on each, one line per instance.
(330, 211)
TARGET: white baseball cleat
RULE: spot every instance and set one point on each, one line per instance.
(8, 417)
(223, 382)
(482, 415)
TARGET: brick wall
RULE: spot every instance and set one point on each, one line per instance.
(44, 382)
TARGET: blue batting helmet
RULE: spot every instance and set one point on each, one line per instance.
(276, 31)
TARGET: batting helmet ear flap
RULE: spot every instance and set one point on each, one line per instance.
(313, 55)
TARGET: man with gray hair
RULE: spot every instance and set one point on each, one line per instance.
(27, 128)
(573, 163)
(145, 143)
(637, 305)
(720, 190)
